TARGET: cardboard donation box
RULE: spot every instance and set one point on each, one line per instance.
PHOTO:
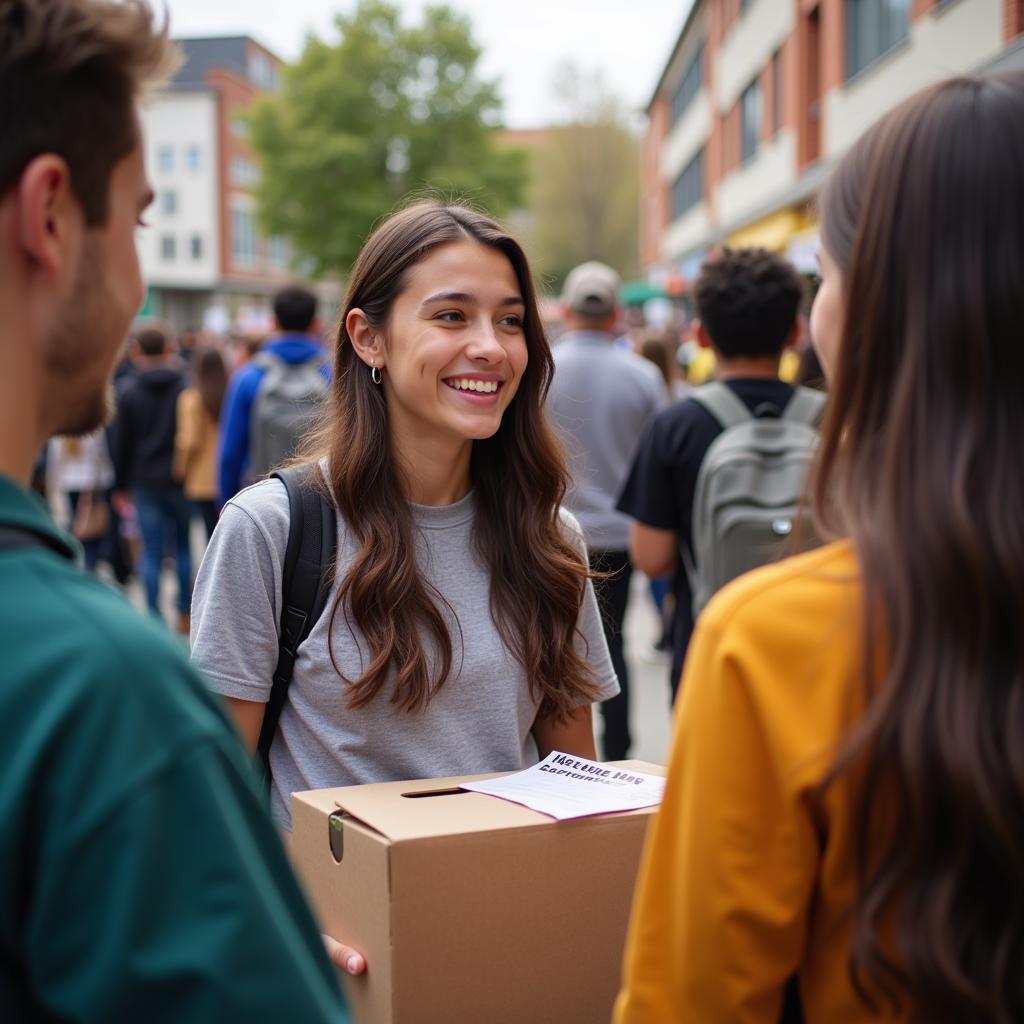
(470, 909)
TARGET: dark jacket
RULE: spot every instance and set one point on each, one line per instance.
(143, 435)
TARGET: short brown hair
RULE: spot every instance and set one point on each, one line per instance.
(152, 340)
(70, 73)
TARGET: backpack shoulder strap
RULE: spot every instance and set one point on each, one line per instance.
(805, 406)
(312, 535)
(14, 537)
(722, 402)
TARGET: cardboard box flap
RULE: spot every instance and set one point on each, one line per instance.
(434, 807)
(423, 808)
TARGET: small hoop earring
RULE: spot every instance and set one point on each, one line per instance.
(375, 375)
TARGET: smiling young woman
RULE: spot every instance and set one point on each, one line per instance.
(461, 634)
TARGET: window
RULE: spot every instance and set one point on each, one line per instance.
(195, 247)
(688, 189)
(777, 93)
(168, 202)
(194, 158)
(689, 85)
(168, 248)
(873, 27)
(244, 172)
(751, 113)
(278, 252)
(261, 71)
(165, 159)
(243, 237)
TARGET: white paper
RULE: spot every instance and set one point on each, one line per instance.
(564, 786)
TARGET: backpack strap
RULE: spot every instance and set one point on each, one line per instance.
(723, 403)
(728, 410)
(806, 406)
(312, 536)
(15, 537)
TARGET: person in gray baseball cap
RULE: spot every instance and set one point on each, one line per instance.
(592, 291)
(600, 399)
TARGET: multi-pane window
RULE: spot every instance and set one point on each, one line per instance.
(278, 252)
(194, 158)
(168, 248)
(168, 202)
(751, 114)
(689, 85)
(777, 93)
(195, 247)
(688, 189)
(261, 72)
(165, 159)
(243, 237)
(873, 27)
(244, 172)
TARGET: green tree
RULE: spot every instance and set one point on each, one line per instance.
(585, 191)
(385, 111)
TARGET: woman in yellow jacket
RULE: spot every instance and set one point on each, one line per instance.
(842, 834)
(195, 442)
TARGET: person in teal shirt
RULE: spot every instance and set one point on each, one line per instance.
(140, 876)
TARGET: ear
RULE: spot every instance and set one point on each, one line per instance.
(50, 219)
(700, 334)
(366, 341)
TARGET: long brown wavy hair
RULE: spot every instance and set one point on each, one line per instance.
(210, 374)
(921, 465)
(518, 476)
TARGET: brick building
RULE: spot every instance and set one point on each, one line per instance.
(203, 257)
(760, 97)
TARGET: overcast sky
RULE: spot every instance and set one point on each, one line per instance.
(522, 40)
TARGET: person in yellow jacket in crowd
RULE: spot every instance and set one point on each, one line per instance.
(195, 442)
(842, 835)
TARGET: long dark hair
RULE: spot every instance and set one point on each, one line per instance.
(921, 466)
(210, 373)
(519, 479)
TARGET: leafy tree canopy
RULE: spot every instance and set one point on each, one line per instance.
(386, 111)
(586, 179)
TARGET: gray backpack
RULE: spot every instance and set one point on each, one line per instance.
(749, 486)
(287, 404)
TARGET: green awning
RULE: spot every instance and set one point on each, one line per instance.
(636, 293)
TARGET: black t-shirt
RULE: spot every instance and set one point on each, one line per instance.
(659, 489)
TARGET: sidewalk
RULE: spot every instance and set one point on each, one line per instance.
(650, 713)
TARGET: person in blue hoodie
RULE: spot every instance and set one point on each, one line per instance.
(259, 430)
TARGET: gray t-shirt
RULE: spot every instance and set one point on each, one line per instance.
(479, 721)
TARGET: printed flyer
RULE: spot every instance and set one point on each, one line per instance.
(564, 786)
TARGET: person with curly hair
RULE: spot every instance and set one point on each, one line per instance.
(747, 303)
